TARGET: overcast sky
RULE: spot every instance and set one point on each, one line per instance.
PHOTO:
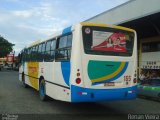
(25, 21)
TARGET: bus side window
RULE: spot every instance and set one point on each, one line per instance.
(69, 45)
(47, 51)
(43, 51)
(24, 55)
(19, 57)
(39, 54)
(62, 42)
(35, 53)
(32, 53)
(69, 41)
(53, 46)
(63, 52)
(29, 54)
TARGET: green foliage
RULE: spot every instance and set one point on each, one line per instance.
(5, 47)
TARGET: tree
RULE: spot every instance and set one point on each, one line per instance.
(5, 47)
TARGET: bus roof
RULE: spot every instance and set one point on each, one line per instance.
(57, 34)
(70, 29)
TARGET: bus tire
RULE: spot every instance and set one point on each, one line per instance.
(42, 90)
(23, 81)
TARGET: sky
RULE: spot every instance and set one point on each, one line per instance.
(25, 21)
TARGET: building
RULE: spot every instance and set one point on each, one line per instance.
(2, 61)
(144, 17)
(10, 61)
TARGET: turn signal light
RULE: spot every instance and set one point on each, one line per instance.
(78, 80)
(78, 74)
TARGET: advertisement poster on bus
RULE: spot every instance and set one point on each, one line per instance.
(108, 41)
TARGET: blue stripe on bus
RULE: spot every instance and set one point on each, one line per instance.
(93, 95)
(66, 69)
(116, 77)
(66, 30)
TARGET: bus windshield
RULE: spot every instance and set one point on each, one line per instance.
(107, 41)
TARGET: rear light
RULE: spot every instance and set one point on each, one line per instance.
(134, 80)
(78, 80)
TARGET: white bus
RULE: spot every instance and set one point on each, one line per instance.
(87, 62)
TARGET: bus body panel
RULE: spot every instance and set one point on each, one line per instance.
(58, 92)
(106, 70)
(61, 89)
(62, 73)
(47, 70)
(76, 58)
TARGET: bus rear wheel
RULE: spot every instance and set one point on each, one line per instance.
(23, 81)
(42, 90)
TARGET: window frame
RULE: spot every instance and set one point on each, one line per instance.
(89, 36)
(64, 48)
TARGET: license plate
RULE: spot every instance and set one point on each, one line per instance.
(109, 84)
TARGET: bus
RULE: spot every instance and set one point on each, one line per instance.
(87, 62)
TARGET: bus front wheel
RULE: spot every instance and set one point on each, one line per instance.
(42, 90)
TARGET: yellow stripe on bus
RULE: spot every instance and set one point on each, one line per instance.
(33, 69)
(106, 25)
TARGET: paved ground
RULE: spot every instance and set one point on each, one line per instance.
(14, 99)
